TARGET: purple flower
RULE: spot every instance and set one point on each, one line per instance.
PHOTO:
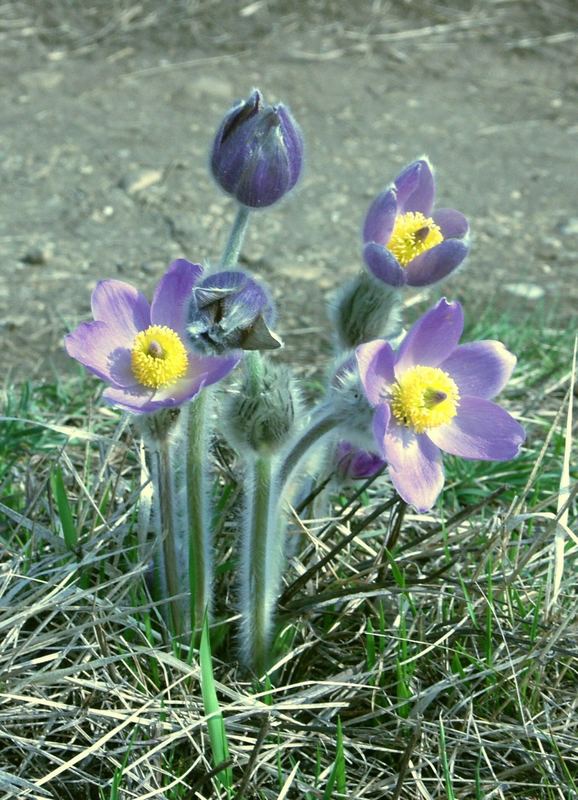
(231, 310)
(141, 350)
(353, 463)
(258, 152)
(405, 241)
(434, 394)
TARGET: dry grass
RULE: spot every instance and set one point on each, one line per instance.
(450, 673)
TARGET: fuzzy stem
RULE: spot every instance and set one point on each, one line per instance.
(318, 428)
(169, 533)
(258, 592)
(200, 535)
(232, 250)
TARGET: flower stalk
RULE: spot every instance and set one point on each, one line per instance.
(258, 591)
(200, 558)
(234, 244)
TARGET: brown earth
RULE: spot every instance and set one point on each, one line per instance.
(108, 112)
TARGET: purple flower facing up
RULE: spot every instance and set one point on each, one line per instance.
(258, 152)
(230, 310)
(434, 394)
(405, 241)
(353, 463)
(140, 349)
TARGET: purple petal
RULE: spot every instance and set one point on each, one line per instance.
(415, 466)
(355, 464)
(137, 399)
(435, 264)
(202, 371)
(170, 305)
(453, 224)
(416, 188)
(481, 430)
(480, 369)
(432, 338)
(384, 265)
(375, 364)
(293, 139)
(101, 351)
(380, 424)
(125, 310)
(380, 218)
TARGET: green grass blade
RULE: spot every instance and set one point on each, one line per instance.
(215, 723)
(338, 777)
(64, 512)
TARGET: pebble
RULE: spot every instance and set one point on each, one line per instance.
(138, 181)
(529, 291)
(38, 255)
(570, 227)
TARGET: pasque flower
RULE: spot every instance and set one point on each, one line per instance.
(258, 152)
(140, 349)
(434, 394)
(405, 241)
(231, 310)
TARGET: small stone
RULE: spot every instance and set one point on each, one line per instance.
(140, 180)
(570, 227)
(38, 255)
(529, 291)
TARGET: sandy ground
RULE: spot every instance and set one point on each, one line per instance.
(107, 116)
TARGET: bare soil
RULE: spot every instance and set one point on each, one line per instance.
(108, 111)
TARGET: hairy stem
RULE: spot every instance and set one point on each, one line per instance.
(232, 250)
(258, 591)
(200, 556)
(319, 427)
(169, 534)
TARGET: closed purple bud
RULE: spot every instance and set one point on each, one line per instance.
(230, 310)
(353, 463)
(258, 152)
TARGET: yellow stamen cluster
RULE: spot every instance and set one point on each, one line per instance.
(412, 235)
(158, 357)
(424, 397)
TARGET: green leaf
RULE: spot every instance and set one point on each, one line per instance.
(338, 775)
(64, 512)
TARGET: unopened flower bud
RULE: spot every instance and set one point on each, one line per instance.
(258, 152)
(366, 309)
(261, 414)
(230, 310)
(352, 463)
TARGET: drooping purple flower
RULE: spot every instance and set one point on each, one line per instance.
(230, 310)
(405, 240)
(140, 349)
(434, 394)
(353, 463)
(257, 153)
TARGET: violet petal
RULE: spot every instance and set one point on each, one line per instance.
(375, 364)
(170, 305)
(384, 265)
(125, 310)
(432, 338)
(416, 188)
(414, 465)
(433, 265)
(480, 369)
(380, 218)
(101, 350)
(452, 223)
(480, 430)
(380, 424)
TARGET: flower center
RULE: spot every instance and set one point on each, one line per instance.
(412, 235)
(424, 397)
(158, 357)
